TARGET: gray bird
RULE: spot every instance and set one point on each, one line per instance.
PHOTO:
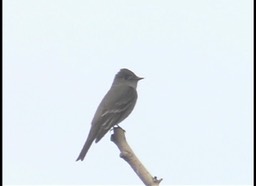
(117, 104)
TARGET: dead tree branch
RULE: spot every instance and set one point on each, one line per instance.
(118, 137)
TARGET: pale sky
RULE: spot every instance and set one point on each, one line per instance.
(193, 120)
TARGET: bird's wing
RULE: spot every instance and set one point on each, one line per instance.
(114, 108)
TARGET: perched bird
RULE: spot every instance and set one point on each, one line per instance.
(117, 104)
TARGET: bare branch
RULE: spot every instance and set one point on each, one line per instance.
(128, 155)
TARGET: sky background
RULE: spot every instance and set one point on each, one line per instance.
(193, 120)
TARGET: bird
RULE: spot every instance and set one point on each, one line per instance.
(116, 106)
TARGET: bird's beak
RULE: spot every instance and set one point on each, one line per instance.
(139, 78)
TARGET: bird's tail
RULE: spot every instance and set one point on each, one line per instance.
(85, 149)
(86, 146)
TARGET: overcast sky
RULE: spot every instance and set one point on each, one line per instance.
(193, 120)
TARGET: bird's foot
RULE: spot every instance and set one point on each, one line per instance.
(117, 126)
